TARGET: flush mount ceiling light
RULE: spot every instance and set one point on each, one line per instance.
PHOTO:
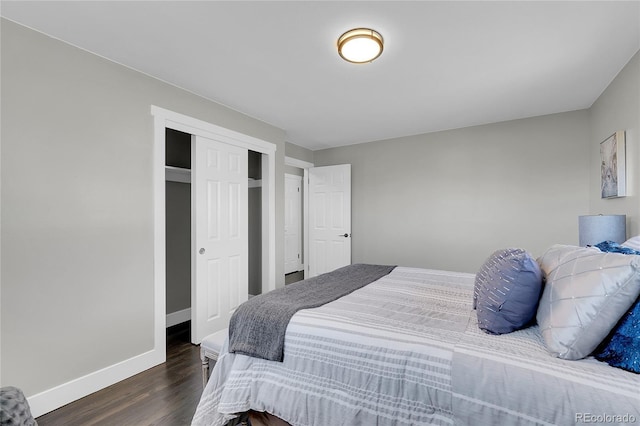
(360, 45)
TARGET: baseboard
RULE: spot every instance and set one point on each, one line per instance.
(178, 317)
(51, 399)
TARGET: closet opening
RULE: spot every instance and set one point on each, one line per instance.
(178, 234)
(178, 231)
(255, 222)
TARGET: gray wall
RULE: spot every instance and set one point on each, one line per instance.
(77, 206)
(178, 234)
(294, 170)
(447, 200)
(298, 152)
(618, 108)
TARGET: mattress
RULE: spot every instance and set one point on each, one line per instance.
(407, 350)
(380, 355)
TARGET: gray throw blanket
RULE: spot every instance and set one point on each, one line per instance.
(258, 326)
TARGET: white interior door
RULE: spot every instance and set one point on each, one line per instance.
(292, 223)
(329, 218)
(219, 197)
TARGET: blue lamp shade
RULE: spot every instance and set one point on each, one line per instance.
(594, 229)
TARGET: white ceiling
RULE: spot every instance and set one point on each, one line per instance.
(445, 64)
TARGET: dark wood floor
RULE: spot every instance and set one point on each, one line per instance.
(163, 395)
(294, 277)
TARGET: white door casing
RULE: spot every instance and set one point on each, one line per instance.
(329, 218)
(292, 223)
(219, 191)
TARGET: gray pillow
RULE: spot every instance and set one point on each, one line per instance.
(507, 291)
(14, 408)
(586, 293)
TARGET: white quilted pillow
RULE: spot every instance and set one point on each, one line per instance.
(633, 243)
(586, 293)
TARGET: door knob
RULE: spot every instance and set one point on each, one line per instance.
(201, 251)
(344, 235)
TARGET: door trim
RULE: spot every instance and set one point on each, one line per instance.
(163, 119)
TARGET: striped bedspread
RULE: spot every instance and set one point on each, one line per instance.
(521, 384)
(378, 356)
(406, 350)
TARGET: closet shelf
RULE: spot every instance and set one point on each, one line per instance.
(177, 174)
(182, 175)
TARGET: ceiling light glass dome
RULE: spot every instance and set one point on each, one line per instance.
(360, 45)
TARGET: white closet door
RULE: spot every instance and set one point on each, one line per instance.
(330, 218)
(219, 234)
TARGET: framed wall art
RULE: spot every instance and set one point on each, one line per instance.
(612, 166)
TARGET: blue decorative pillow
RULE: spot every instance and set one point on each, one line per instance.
(507, 291)
(612, 247)
(622, 347)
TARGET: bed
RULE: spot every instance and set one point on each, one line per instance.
(407, 349)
